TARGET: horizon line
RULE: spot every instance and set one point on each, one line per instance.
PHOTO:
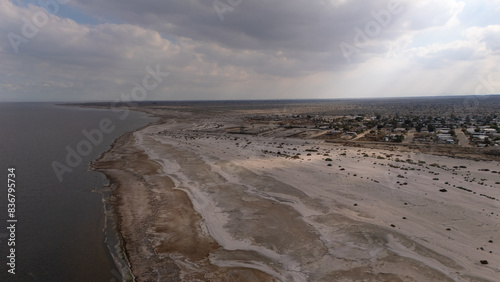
(255, 100)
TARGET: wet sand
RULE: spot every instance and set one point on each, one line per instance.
(198, 204)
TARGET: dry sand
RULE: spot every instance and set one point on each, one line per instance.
(198, 204)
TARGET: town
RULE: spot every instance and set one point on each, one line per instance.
(467, 131)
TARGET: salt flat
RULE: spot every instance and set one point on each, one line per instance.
(200, 203)
(273, 209)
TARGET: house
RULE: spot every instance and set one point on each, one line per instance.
(489, 130)
(480, 136)
(443, 130)
(443, 136)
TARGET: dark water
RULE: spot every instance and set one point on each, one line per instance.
(59, 233)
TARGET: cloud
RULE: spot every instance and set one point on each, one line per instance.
(261, 49)
(489, 36)
(426, 14)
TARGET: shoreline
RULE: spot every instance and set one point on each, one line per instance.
(118, 252)
(108, 200)
(151, 265)
(121, 251)
(195, 205)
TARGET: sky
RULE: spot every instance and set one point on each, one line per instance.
(124, 50)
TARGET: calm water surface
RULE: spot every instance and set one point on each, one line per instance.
(59, 233)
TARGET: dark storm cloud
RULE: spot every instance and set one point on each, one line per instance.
(311, 26)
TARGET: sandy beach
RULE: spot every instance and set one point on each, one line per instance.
(197, 203)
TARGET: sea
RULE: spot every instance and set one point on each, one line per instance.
(62, 232)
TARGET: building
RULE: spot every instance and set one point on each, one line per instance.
(445, 138)
(443, 130)
(489, 130)
(480, 136)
